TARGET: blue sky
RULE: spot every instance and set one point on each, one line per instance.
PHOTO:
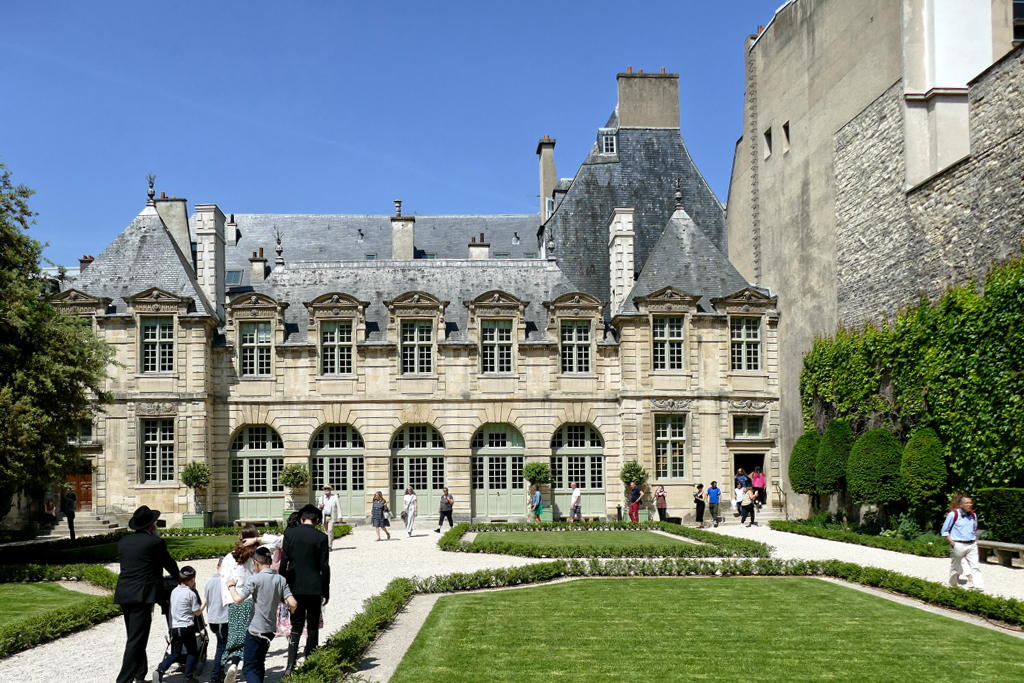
(338, 107)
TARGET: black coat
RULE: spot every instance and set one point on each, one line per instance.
(304, 561)
(143, 555)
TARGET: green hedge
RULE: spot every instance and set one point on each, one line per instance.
(883, 542)
(716, 545)
(802, 461)
(57, 623)
(873, 470)
(922, 468)
(833, 453)
(1001, 513)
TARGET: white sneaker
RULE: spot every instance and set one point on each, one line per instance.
(232, 672)
(157, 676)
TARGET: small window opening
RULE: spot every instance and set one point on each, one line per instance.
(767, 143)
(785, 137)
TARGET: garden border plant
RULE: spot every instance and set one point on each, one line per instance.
(57, 623)
(343, 651)
(714, 545)
(884, 542)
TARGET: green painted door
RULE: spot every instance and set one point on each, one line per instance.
(498, 490)
(346, 476)
(256, 492)
(425, 474)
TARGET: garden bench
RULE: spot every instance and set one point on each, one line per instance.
(1004, 551)
(259, 521)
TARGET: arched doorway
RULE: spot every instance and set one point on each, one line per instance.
(255, 461)
(417, 460)
(577, 455)
(498, 489)
(336, 458)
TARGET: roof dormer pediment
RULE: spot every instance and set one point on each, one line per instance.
(668, 299)
(745, 300)
(76, 302)
(411, 302)
(335, 305)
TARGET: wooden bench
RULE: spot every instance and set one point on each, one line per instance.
(1004, 551)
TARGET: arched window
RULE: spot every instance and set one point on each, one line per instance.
(337, 459)
(577, 455)
(498, 452)
(257, 458)
(417, 460)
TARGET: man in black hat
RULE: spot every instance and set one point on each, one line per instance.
(304, 563)
(139, 587)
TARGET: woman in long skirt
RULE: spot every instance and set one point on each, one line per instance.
(700, 498)
(380, 514)
(411, 508)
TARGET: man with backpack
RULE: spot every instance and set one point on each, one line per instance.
(961, 530)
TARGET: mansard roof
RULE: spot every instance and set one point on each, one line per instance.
(142, 257)
(444, 280)
(641, 174)
(686, 259)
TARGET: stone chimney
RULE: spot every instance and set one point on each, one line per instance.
(403, 234)
(479, 250)
(620, 258)
(648, 100)
(210, 254)
(548, 177)
(257, 267)
(174, 214)
(84, 262)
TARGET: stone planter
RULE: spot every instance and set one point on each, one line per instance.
(295, 499)
(196, 520)
(645, 514)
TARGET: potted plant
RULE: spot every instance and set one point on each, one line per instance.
(196, 476)
(295, 479)
(634, 471)
(539, 473)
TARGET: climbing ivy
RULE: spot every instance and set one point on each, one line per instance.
(952, 366)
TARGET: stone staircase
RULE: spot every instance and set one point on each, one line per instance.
(762, 517)
(86, 524)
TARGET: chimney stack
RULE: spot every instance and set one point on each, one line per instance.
(620, 257)
(84, 262)
(648, 100)
(210, 254)
(174, 213)
(257, 267)
(548, 177)
(403, 234)
(479, 250)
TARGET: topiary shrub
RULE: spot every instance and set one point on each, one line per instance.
(923, 470)
(633, 471)
(294, 476)
(833, 452)
(537, 473)
(802, 462)
(873, 469)
(1001, 513)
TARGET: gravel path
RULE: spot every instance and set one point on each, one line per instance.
(362, 567)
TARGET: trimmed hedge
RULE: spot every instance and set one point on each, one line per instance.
(57, 623)
(923, 468)
(833, 452)
(883, 542)
(802, 462)
(1001, 513)
(717, 545)
(873, 469)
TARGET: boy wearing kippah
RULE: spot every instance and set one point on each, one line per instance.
(268, 589)
(185, 605)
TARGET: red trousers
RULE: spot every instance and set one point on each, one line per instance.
(634, 512)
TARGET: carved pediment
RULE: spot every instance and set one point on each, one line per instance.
(76, 302)
(156, 300)
(416, 303)
(574, 304)
(334, 305)
(746, 299)
(667, 299)
(496, 303)
(255, 305)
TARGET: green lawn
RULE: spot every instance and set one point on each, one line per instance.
(196, 546)
(596, 539)
(672, 629)
(21, 600)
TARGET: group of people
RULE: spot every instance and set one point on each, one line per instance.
(267, 586)
(380, 512)
(749, 495)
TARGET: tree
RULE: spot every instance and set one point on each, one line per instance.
(833, 452)
(873, 470)
(923, 470)
(633, 471)
(802, 462)
(51, 367)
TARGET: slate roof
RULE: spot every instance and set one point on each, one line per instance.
(642, 175)
(454, 281)
(144, 255)
(311, 237)
(687, 259)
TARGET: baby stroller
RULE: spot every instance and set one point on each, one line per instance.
(202, 637)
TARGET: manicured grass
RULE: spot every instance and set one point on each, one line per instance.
(19, 601)
(599, 540)
(680, 629)
(179, 546)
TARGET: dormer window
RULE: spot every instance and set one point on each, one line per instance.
(608, 143)
(158, 344)
(417, 347)
(233, 278)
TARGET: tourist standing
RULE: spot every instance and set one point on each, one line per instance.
(267, 589)
(714, 500)
(217, 618)
(305, 557)
(759, 481)
(379, 515)
(661, 502)
(575, 503)
(68, 502)
(961, 531)
(409, 509)
(536, 507)
(747, 506)
(331, 508)
(742, 479)
(139, 586)
(699, 499)
(185, 607)
(445, 510)
(737, 499)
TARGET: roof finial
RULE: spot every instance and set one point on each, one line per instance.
(398, 208)
(152, 193)
(679, 196)
(279, 261)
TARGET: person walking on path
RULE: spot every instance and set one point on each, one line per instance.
(661, 503)
(575, 503)
(409, 509)
(217, 618)
(445, 510)
(330, 505)
(379, 515)
(305, 557)
(700, 499)
(961, 531)
(267, 589)
(185, 607)
(737, 500)
(68, 502)
(635, 495)
(747, 506)
(759, 482)
(714, 497)
(139, 586)
(536, 506)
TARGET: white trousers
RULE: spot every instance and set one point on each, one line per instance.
(329, 530)
(964, 558)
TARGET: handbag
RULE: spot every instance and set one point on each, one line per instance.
(404, 514)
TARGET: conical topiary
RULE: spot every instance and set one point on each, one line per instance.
(802, 461)
(873, 469)
(833, 452)
(923, 468)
